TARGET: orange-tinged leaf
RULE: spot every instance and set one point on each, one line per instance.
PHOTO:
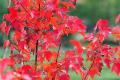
(93, 71)
(69, 4)
(17, 36)
(32, 44)
(48, 55)
(77, 45)
(116, 32)
(53, 21)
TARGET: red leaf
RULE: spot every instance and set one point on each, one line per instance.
(76, 68)
(26, 69)
(7, 30)
(69, 54)
(17, 36)
(21, 45)
(12, 47)
(48, 55)
(116, 68)
(4, 63)
(13, 12)
(6, 43)
(32, 44)
(68, 5)
(93, 71)
(48, 14)
(64, 77)
(77, 45)
(42, 13)
(103, 25)
(3, 26)
(107, 62)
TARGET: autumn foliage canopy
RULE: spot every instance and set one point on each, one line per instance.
(35, 48)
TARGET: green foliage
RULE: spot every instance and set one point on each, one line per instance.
(92, 10)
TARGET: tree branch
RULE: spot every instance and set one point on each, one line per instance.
(58, 52)
(36, 55)
(89, 69)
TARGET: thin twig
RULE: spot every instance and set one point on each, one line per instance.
(58, 52)
(36, 55)
(24, 8)
(89, 69)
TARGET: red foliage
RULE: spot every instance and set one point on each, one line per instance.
(38, 28)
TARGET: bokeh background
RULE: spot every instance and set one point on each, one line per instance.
(90, 11)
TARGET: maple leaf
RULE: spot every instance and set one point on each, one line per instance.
(48, 55)
(77, 45)
(25, 69)
(13, 12)
(32, 44)
(93, 71)
(69, 54)
(64, 77)
(21, 45)
(107, 62)
(69, 4)
(3, 26)
(7, 30)
(115, 68)
(6, 43)
(17, 36)
(103, 25)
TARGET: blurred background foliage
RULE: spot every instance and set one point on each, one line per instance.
(92, 10)
(88, 10)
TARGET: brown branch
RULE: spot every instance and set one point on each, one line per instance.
(36, 55)
(89, 68)
(58, 52)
